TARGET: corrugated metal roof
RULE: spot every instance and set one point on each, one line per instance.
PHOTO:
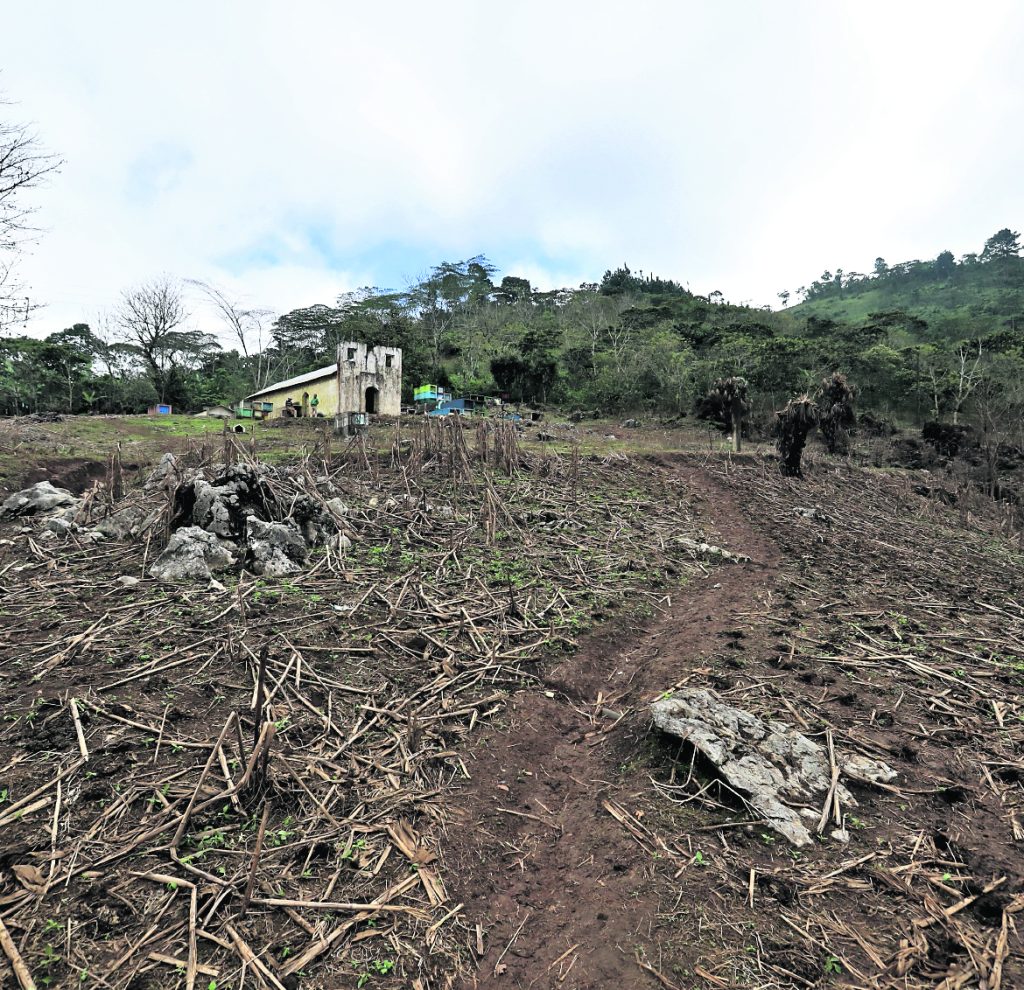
(309, 376)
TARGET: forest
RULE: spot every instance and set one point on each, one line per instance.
(919, 341)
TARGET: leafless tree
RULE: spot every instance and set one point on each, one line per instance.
(23, 166)
(249, 326)
(149, 316)
(967, 375)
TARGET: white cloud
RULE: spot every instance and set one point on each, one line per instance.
(292, 151)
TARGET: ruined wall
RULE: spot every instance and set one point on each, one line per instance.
(361, 368)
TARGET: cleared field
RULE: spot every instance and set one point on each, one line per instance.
(447, 775)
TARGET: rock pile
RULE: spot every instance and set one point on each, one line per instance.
(256, 516)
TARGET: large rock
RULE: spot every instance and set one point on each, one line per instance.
(274, 549)
(167, 465)
(39, 498)
(772, 765)
(128, 521)
(224, 506)
(192, 554)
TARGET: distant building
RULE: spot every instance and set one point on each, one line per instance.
(362, 380)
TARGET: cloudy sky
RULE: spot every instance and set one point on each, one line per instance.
(291, 151)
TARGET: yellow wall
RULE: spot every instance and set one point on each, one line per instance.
(326, 390)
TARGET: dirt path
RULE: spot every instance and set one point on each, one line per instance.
(561, 892)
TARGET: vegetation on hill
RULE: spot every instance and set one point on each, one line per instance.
(918, 340)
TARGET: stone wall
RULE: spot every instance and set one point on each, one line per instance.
(362, 369)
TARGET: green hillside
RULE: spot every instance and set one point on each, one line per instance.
(978, 296)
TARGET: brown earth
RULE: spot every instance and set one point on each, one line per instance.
(580, 852)
(566, 897)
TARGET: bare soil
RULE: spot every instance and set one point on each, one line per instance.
(447, 741)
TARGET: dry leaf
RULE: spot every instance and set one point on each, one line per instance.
(31, 878)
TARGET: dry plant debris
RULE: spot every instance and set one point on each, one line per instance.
(251, 776)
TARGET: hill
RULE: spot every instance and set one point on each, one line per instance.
(980, 295)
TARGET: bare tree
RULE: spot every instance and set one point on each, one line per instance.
(23, 166)
(249, 327)
(966, 376)
(149, 316)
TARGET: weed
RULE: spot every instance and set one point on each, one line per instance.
(832, 966)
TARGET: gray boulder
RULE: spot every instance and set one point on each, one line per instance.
(774, 767)
(192, 554)
(39, 498)
(167, 465)
(127, 521)
(58, 526)
(274, 549)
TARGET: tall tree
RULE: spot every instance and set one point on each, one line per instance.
(24, 165)
(149, 315)
(1003, 244)
(247, 326)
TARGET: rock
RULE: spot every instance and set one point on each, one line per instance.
(128, 581)
(274, 549)
(192, 554)
(167, 465)
(216, 507)
(770, 763)
(337, 508)
(314, 522)
(127, 521)
(840, 835)
(58, 526)
(701, 549)
(631, 424)
(223, 506)
(815, 514)
(39, 498)
(866, 770)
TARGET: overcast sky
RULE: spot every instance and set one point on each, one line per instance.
(291, 151)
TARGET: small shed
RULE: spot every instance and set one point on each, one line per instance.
(160, 409)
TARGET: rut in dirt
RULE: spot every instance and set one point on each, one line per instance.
(561, 894)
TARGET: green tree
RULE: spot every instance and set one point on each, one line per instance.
(1001, 245)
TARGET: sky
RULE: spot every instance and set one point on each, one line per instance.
(289, 152)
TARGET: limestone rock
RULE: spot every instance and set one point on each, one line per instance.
(167, 465)
(127, 521)
(337, 508)
(774, 767)
(706, 550)
(274, 549)
(192, 554)
(58, 526)
(35, 500)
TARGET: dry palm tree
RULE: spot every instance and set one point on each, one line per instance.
(792, 424)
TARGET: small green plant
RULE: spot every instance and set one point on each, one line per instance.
(698, 858)
(832, 966)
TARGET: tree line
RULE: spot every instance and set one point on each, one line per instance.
(628, 343)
